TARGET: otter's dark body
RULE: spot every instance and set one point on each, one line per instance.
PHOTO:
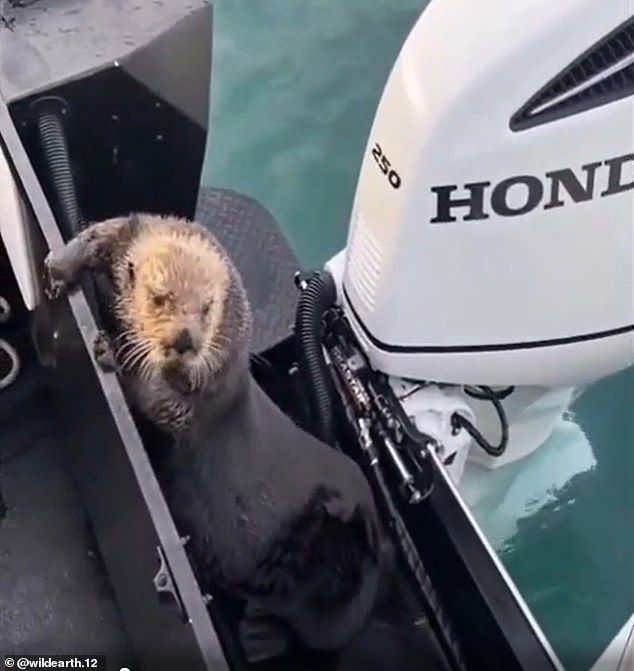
(277, 517)
(274, 515)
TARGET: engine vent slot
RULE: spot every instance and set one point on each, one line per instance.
(601, 75)
(364, 263)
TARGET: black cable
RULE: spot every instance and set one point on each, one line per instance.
(487, 393)
(459, 421)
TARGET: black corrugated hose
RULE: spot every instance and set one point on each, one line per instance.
(55, 151)
(318, 293)
(48, 112)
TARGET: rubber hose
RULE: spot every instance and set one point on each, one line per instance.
(56, 154)
(318, 294)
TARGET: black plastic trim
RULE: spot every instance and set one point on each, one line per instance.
(492, 347)
(600, 56)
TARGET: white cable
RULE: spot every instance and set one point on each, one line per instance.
(5, 310)
(9, 378)
(9, 350)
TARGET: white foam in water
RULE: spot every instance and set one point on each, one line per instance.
(501, 498)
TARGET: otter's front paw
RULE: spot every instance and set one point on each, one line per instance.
(178, 379)
(57, 275)
(103, 352)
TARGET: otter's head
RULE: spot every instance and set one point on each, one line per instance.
(174, 294)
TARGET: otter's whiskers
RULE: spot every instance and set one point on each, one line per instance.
(131, 350)
(212, 355)
(146, 369)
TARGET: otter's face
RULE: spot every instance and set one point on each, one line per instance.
(177, 289)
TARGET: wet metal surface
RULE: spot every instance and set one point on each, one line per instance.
(55, 597)
(52, 40)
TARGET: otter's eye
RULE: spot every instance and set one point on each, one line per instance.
(130, 271)
(159, 300)
(206, 308)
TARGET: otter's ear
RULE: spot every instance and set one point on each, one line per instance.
(130, 270)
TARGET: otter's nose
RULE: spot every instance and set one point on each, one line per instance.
(184, 341)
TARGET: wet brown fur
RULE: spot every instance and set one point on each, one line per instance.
(167, 274)
(179, 281)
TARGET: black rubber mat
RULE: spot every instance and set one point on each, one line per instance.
(54, 595)
(261, 253)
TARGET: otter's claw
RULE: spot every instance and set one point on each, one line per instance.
(56, 279)
(103, 352)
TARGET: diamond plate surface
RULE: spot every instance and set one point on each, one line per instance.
(261, 253)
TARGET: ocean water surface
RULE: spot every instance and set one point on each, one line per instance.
(294, 90)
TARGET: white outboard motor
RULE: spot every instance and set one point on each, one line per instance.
(492, 233)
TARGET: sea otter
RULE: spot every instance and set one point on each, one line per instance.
(274, 515)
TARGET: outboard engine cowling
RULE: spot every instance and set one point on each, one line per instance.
(492, 232)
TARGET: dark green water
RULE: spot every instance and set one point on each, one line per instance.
(573, 558)
(295, 87)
